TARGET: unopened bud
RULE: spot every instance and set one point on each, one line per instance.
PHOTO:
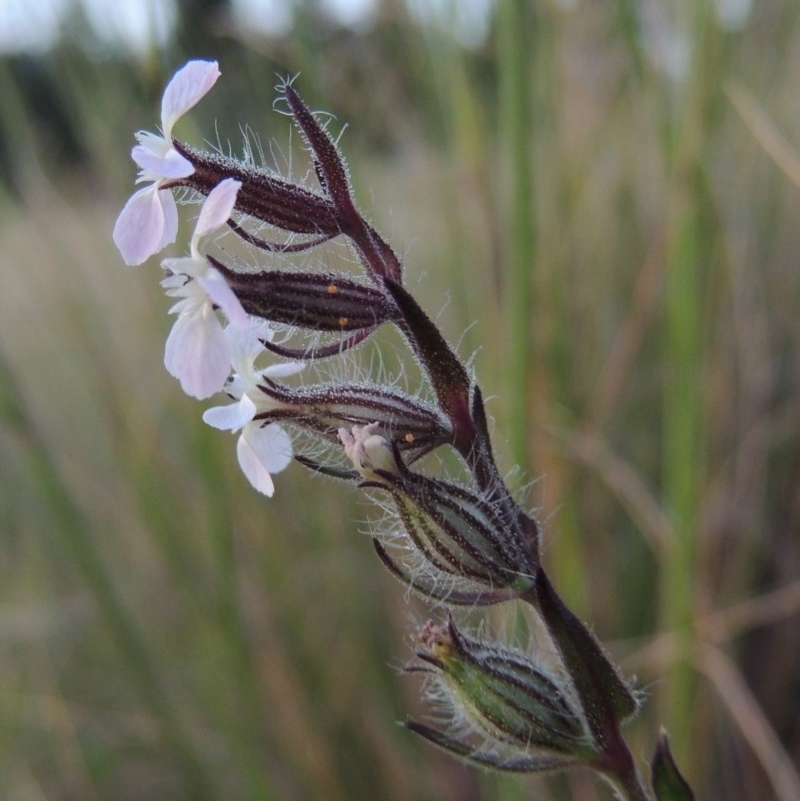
(513, 706)
(263, 195)
(318, 301)
(457, 540)
(413, 426)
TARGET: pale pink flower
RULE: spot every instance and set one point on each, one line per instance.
(149, 220)
(263, 448)
(198, 352)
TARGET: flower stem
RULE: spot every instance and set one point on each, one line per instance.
(630, 785)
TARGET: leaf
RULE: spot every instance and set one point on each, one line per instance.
(606, 697)
(668, 783)
(447, 375)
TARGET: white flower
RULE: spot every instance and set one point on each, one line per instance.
(198, 352)
(149, 220)
(262, 448)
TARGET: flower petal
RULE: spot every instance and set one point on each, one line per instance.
(282, 370)
(220, 293)
(187, 87)
(253, 469)
(263, 450)
(139, 230)
(169, 210)
(247, 342)
(231, 417)
(197, 353)
(273, 445)
(183, 266)
(161, 162)
(217, 208)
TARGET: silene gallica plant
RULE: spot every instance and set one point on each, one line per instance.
(242, 329)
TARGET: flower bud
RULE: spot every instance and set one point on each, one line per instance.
(414, 427)
(456, 540)
(263, 195)
(515, 710)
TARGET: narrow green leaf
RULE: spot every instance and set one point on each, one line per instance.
(668, 783)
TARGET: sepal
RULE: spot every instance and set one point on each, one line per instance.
(317, 301)
(462, 534)
(487, 758)
(433, 588)
(450, 534)
(503, 702)
(263, 195)
(414, 427)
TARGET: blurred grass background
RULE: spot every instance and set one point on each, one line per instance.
(599, 199)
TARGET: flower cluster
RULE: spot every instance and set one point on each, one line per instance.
(456, 544)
